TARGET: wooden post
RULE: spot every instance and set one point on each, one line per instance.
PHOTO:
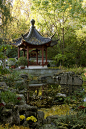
(42, 55)
(18, 52)
(28, 54)
(24, 53)
(46, 55)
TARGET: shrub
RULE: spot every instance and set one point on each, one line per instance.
(11, 61)
(9, 96)
(22, 61)
(4, 71)
(76, 70)
(76, 121)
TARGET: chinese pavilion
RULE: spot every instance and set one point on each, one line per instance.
(34, 42)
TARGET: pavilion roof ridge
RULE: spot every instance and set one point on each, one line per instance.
(33, 37)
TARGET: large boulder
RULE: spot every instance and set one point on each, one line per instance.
(27, 110)
(60, 95)
(46, 79)
(68, 78)
(24, 76)
(10, 116)
(6, 116)
(51, 118)
(59, 98)
(16, 118)
(3, 86)
(20, 84)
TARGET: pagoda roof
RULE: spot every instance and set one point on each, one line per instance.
(33, 37)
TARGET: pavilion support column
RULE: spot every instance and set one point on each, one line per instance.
(42, 55)
(46, 55)
(28, 54)
(18, 52)
(24, 53)
(37, 57)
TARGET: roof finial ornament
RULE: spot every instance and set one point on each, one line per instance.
(32, 22)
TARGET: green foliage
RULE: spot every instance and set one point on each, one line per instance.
(60, 58)
(12, 52)
(2, 49)
(76, 70)
(83, 77)
(76, 98)
(66, 21)
(76, 121)
(22, 61)
(20, 85)
(15, 76)
(5, 11)
(8, 96)
(11, 61)
(4, 70)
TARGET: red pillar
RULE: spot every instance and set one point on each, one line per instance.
(42, 55)
(24, 53)
(46, 55)
(18, 52)
(28, 54)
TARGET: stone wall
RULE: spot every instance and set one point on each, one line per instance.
(39, 72)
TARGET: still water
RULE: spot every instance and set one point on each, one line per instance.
(64, 109)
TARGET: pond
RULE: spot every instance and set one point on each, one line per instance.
(70, 104)
(63, 109)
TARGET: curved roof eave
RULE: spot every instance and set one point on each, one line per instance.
(32, 43)
(33, 37)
